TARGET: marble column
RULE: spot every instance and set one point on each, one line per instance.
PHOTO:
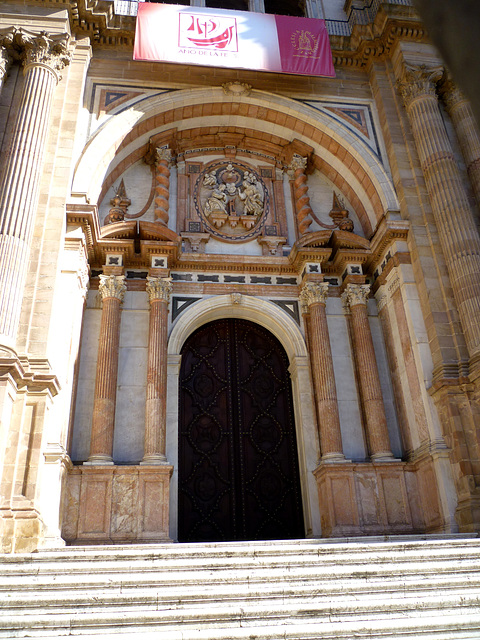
(43, 58)
(302, 200)
(159, 290)
(466, 128)
(112, 289)
(163, 158)
(314, 296)
(355, 299)
(458, 234)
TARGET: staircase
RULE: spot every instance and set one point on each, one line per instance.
(290, 590)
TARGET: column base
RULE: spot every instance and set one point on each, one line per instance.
(330, 458)
(384, 456)
(99, 460)
(110, 504)
(154, 459)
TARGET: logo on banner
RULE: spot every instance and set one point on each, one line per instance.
(207, 32)
(305, 44)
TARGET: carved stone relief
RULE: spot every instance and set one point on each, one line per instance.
(231, 200)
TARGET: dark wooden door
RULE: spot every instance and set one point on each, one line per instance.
(238, 464)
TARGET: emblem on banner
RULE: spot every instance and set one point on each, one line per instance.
(207, 32)
(305, 44)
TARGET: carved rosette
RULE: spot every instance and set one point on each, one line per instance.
(163, 159)
(159, 289)
(112, 287)
(236, 88)
(355, 294)
(312, 293)
(302, 200)
(419, 82)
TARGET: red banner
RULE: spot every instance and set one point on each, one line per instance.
(235, 39)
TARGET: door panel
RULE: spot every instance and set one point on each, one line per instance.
(238, 469)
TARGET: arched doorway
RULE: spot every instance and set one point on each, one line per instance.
(238, 463)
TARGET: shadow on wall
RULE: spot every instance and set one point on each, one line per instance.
(454, 28)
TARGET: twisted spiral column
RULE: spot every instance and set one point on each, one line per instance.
(302, 200)
(355, 299)
(43, 58)
(159, 290)
(313, 296)
(112, 289)
(458, 233)
(163, 159)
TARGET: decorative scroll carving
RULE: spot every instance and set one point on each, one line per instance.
(313, 292)
(419, 81)
(120, 203)
(232, 200)
(302, 201)
(159, 289)
(236, 88)
(163, 158)
(112, 287)
(356, 294)
(46, 50)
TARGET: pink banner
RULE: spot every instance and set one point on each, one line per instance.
(235, 39)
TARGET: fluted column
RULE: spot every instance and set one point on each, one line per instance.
(163, 158)
(466, 128)
(458, 233)
(159, 290)
(314, 296)
(112, 289)
(302, 200)
(355, 299)
(43, 58)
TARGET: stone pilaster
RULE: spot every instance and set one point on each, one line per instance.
(457, 231)
(43, 58)
(302, 200)
(463, 120)
(355, 299)
(159, 290)
(112, 290)
(163, 158)
(314, 297)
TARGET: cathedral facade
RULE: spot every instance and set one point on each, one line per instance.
(235, 304)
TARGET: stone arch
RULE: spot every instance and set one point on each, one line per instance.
(275, 320)
(347, 161)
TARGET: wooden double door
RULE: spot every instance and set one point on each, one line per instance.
(238, 463)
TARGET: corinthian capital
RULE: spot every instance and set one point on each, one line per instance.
(4, 62)
(355, 294)
(451, 94)
(418, 81)
(159, 289)
(45, 50)
(164, 154)
(112, 287)
(313, 292)
(298, 163)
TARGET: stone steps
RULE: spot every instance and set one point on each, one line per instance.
(363, 588)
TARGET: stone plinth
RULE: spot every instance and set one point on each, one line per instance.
(117, 504)
(361, 499)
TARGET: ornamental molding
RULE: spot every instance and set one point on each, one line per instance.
(419, 81)
(112, 287)
(298, 163)
(313, 293)
(355, 294)
(381, 297)
(159, 289)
